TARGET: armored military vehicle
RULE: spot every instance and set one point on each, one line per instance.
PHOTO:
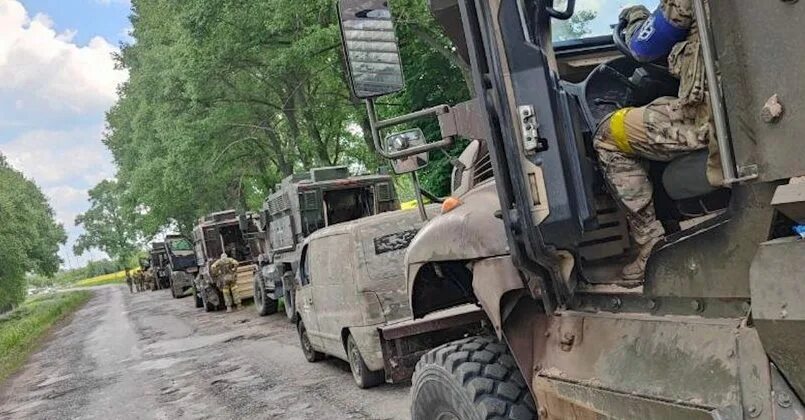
(302, 204)
(215, 234)
(181, 268)
(715, 331)
(160, 265)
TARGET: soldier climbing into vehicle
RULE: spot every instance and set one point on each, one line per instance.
(223, 274)
(663, 130)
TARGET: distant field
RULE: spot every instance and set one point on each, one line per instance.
(21, 330)
(110, 278)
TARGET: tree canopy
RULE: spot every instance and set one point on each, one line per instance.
(29, 235)
(107, 224)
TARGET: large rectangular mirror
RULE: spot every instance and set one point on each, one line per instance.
(370, 47)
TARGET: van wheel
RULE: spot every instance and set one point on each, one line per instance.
(290, 310)
(310, 354)
(364, 377)
(197, 298)
(474, 378)
(264, 304)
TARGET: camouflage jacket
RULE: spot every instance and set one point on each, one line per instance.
(223, 269)
(685, 62)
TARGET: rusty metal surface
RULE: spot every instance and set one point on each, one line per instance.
(778, 293)
(462, 315)
(405, 342)
(759, 50)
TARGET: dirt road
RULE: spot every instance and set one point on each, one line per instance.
(149, 356)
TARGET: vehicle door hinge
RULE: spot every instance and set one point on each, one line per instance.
(529, 127)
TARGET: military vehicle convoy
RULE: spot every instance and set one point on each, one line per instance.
(302, 204)
(715, 331)
(215, 234)
(181, 266)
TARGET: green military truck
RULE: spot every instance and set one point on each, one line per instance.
(301, 204)
(224, 231)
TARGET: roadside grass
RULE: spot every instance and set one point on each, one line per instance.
(110, 278)
(22, 329)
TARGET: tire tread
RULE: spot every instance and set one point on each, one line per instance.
(487, 373)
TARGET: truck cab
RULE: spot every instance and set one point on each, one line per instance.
(302, 204)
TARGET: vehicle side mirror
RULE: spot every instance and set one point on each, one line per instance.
(370, 48)
(398, 142)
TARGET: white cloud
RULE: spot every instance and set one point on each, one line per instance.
(54, 157)
(53, 94)
(45, 68)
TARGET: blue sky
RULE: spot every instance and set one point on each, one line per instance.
(57, 79)
(105, 18)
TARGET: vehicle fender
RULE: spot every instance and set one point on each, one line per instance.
(367, 338)
(469, 232)
(492, 280)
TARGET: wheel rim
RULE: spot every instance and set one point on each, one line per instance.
(306, 346)
(354, 363)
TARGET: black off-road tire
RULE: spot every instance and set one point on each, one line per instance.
(474, 378)
(311, 355)
(197, 299)
(363, 377)
(264, 304)
(208, 307)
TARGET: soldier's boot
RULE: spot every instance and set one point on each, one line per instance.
(228, 309)
(635, 271)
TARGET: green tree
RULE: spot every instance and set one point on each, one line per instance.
(29, 235)
(578, 26)
(108, 225)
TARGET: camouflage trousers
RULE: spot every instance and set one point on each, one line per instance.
(659, 131)
(231, 296)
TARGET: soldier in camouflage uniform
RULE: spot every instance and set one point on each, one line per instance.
(139, 281)
(129, 282)
(149, 279)
(223, 273)
(663, 130)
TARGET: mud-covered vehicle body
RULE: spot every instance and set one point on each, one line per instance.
(302, 204)
(160, 265)
(710, 333)
(215, 234)
(182, 264)
(351, 284)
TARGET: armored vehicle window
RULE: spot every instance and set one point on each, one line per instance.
(592, 18)
(330, 260)
(180, 245)
(346, 205)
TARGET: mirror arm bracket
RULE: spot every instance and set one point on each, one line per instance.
(376, 126)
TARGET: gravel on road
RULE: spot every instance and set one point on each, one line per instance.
(149, 356)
